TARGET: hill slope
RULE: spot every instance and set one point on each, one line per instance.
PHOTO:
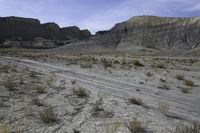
(145, 31)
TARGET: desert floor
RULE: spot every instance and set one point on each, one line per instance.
(44, 92)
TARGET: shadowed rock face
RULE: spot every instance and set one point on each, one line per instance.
(27, 29)
(145, 31)
(75, 32)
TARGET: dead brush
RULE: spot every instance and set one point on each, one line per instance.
(48, 116)
(135, 126)
(192, 128)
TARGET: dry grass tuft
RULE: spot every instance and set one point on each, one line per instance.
(80, 92)
(137, 63)
(113, 127)
(86, 65)
(106, 63)
(163, 107)
(48, 116)
(4, 128)
(33, 74)
(40, 89)
(193, 128)
(184, 90)
(135, 126)
(179, 77)
(164, 87)
(136, 101)
(162, 80)
(9, 84)
(149, 74)
(188, 82)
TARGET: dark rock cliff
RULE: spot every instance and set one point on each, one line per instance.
(28, 29)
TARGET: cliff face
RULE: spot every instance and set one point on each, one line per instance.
(160, 33)
(27, 29)
(145, 31)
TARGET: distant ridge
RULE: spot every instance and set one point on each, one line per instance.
(27, 29)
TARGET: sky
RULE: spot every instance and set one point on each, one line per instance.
(96, 15)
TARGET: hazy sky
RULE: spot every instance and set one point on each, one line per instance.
(96, 15)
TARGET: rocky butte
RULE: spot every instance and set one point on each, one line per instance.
(30, 33)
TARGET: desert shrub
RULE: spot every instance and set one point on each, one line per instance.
(160, 65)
(149, 74)
(164, 87)
(136, 101)
(51, 79)
(179, 77)
(33, 74)
(4, 68)
(37, 102)
(163, 106)
(73, 82)
(80, 92)
(162, 80)
(48, 116)
(4, 128)
(40, 89)
(21, 80)
(137, 63)
(116, 62)
(86, 65)
(193, 128)
(184, 90)
(113, 127)
(10, 85)
(76, 131)
(135, 126)
(106, 63)
(188, 82)
(124, 62)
